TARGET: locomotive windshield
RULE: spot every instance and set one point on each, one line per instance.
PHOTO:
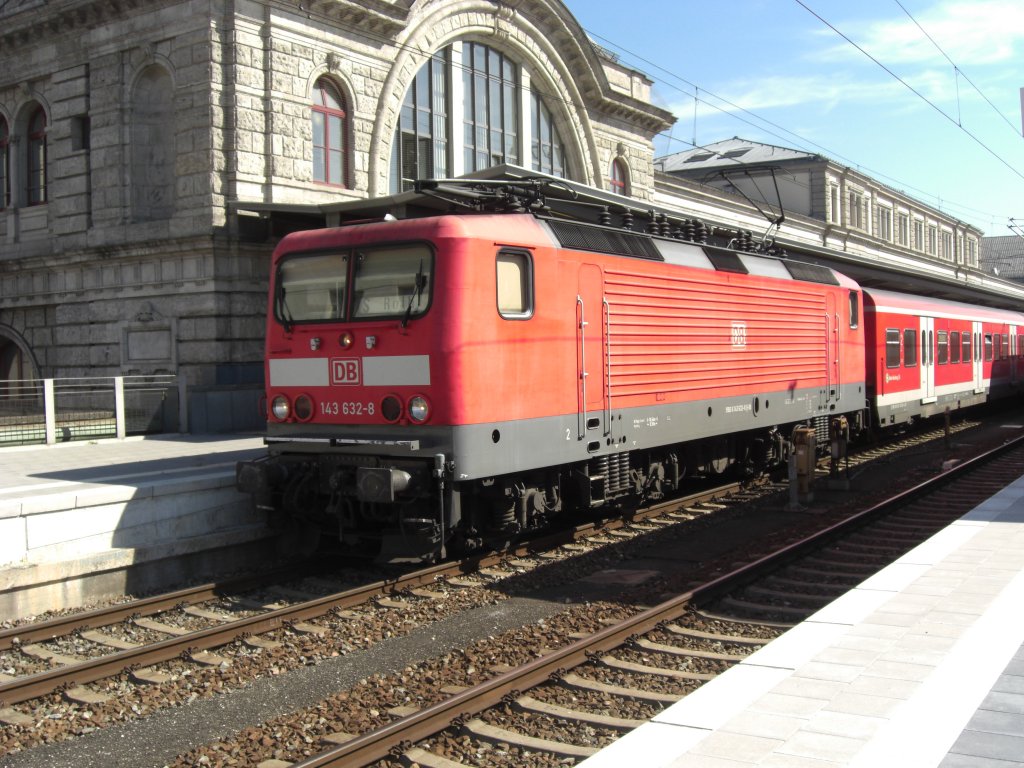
(393, 281)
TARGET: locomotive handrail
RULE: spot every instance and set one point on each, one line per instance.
(839, 363)
(607, 366)
(581, 418)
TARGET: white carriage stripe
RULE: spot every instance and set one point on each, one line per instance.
(946, 389)
(386, 371)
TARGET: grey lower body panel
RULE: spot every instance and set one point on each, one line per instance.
(488, 450)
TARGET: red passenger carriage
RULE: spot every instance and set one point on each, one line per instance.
(931, 354)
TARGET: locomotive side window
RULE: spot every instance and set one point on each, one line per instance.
(311, 287)
(392, 282)
(943, 354)
(854, 309)
(954, 346)
(910, 348)
(515, 285)
(892, 348)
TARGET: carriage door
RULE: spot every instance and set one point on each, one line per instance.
(927, 359)
(591, 355)
(979, 359)
(1014, 351)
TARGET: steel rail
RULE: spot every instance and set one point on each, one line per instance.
(378, 744)
(90, 670)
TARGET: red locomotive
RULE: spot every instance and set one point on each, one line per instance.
(456, 380)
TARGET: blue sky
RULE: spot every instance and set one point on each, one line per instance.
(790, 80)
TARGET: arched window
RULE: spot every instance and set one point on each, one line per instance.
(36, 164)
(5, 165)
(490, 89)
(420, 150)
(618, 177)
(548, 151)
(464, 112)
(329, 134)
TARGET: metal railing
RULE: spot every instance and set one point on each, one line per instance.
(60, 410)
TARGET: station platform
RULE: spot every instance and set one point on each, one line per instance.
(922, 665)
(74, 512)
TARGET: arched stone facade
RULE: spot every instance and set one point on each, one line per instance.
(162, 120)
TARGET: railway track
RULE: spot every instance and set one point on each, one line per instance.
(503, 710)
(189, 623)
(418, 598)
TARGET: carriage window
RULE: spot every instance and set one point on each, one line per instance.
(910, 348)
(311, 287)
(1005, 346)
(943, 347)
(954, 346)
(988, 347)
(392, 282)
(965, 353)
(515, 286)
(892, 348)
(854, 309)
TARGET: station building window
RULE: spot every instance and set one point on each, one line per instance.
(5, 165)
(464, 112)
(330, 128)
(548, 153)
(36, 158)
(618, 177)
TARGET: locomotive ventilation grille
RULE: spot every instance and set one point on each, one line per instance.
(581, 237)
(811, 273)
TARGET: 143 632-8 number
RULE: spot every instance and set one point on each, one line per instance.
(336, 408)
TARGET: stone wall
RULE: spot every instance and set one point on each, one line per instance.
(162, 114)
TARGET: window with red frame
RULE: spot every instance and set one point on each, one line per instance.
(618, 180)
(36, 165)
(329, 128)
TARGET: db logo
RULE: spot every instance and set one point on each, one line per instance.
(345, 370)
(739, 335)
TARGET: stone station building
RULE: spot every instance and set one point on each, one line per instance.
(130, 129)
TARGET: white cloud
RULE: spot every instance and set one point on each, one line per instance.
(973, 33)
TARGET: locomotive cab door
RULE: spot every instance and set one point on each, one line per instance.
(591, 356)
(833, 381)
(928, 360)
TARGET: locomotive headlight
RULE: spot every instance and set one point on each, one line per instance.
(346, 340)
(281, 408)
(303, 408)
(419, 409)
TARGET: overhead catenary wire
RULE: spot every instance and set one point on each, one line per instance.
(958, 72)
(911, 88)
